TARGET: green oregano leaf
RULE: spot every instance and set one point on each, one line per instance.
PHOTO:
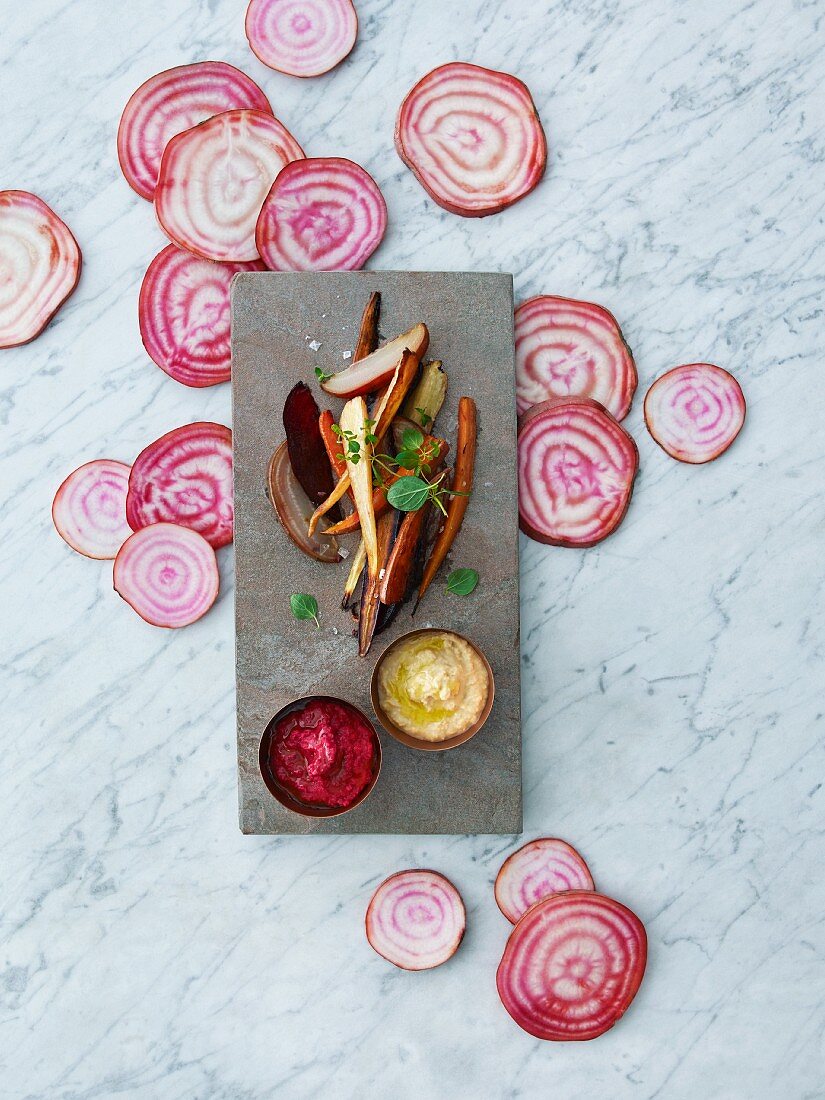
(408, 494)
(462, 581)
(412, 439)
(304, 607)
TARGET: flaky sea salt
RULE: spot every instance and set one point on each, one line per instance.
(315, 344)
(347, 355)
(343, 552)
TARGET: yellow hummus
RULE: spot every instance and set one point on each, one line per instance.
(433, 686)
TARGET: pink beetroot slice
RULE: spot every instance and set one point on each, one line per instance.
(321, 214)
(39, 266)
(537, 870)
(168, 574)
(576, 469)
(185, 477)
(301, 37)
(184, 315)
(171, 102)
(472, 137)
(568, 348)
(695, 412)
(416, 919)
(572, 966)
(89, 508)
(213, 181)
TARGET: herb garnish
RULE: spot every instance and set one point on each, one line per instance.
(304, 607)
(321, 375)
(352, 446)
(462, 581)
(411, 492)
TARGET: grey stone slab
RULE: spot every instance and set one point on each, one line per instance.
(283, 326)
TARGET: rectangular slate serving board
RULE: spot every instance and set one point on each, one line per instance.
(284, 325)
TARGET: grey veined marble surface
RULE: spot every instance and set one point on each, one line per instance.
(673, 677)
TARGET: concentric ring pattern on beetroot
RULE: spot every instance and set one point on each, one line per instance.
(185, 477)
(576, 469)
(301, 37)
(171, 102)
(569, 348)
(89, 508)
(694, 412)
(416, 919)
(537, 870)
(39, 266)
(214, 179)
(184, 315)
(472, 137)
(321, 214)
(168, 574)
(572, 966)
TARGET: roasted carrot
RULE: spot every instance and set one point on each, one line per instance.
(370, 603)
(395, 580)
(355, 571)
(332, 444)
(368, 333)
(393, 585)
(465, 461)
(367, 343)
(359, 471)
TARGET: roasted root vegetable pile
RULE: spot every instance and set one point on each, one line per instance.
(376, 468)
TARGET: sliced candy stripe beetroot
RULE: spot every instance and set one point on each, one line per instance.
(184, 315)
(301, 37)
(567, 348)
(472, 137)
(214, 179)
(576, 470)
(539, 869)
(174, 101)
(168, 574)
(185, 477)
(416, 919)
(695, 412)
(89, 508)
(322, 214)
(572, 965)
(39, 266)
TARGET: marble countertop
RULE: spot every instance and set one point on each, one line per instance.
(673, 677)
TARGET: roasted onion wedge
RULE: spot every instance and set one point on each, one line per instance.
(293, 509)
(377, 369)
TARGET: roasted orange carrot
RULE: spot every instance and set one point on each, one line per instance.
(333, 444)
(465, 461)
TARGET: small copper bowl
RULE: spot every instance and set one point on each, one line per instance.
(418, 742)
(285, 796)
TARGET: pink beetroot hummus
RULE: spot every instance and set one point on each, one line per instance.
(323, 753)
